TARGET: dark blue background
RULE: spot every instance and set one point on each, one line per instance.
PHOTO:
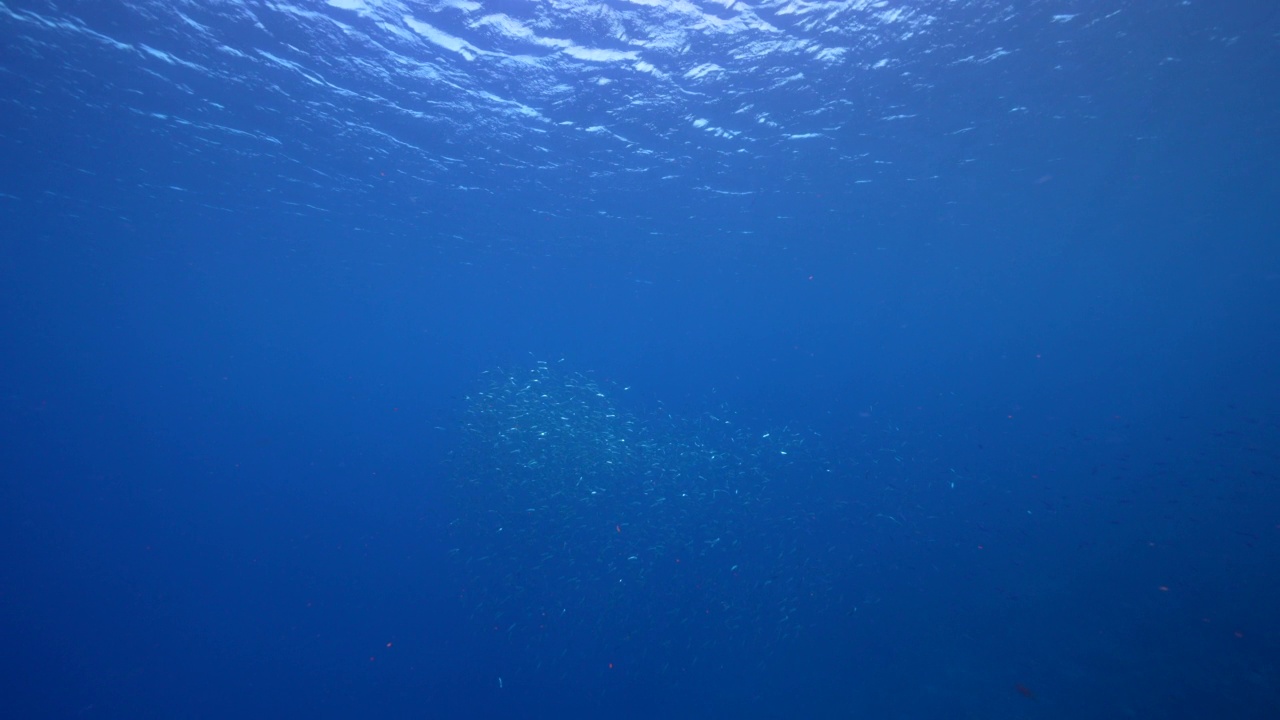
(225, 426)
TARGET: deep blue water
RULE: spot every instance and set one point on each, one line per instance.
(640, 359)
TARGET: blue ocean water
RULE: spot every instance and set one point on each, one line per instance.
(640, 359)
